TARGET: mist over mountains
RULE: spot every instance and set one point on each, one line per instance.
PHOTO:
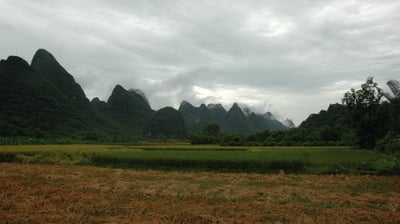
(44, 99)
(234, 120)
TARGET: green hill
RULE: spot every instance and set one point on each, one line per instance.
(30, 103)
(43, 99)
(195, 117)
(128, 109)
(167, 122)
(45, 63)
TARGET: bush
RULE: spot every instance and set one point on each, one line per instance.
(389, 144)
(209, 135)
(203, 139)
(233, 140)
(387, 166)
(336, 168)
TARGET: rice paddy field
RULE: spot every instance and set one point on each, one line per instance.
(310, 160)
(195, 184)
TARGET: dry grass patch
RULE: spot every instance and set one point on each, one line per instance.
(62, 194)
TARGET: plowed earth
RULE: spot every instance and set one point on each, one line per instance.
(61, 194)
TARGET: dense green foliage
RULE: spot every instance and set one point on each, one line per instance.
(45, 64)
(372, 119)
(128, 110)
(44, 102)
(364, 120)
(389, 144)
(364, 108)
(211, 129)
(330, 127)
(31, 104)
(167, 122)
(210, 135)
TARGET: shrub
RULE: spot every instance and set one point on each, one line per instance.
(387, 166)
(336, 168)
(233, 140)
(197, 139)
(389, 144)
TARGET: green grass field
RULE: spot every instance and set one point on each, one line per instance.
(317, 160)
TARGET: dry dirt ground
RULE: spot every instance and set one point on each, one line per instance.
(60, 194)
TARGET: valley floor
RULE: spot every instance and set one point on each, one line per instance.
(76, 194)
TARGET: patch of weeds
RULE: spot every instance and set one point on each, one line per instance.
(257, 183)
(378, 205)
(294, 181)
(207, 184)
(387, 166)
(284, 202)
(132, 189)
(366, 219)
(217, 198)
(329, 204)
(298, 198)
(354, 194)
(307, 160)
(372, 186)
(90, 190)
(367, 186)
(54, 158)
(337, 168)
(7, 157)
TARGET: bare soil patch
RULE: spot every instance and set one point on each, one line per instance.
(74, 194)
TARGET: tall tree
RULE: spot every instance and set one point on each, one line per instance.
(367, 118)
(367, 97)
(211, 129)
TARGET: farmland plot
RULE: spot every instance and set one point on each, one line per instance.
(305, 160)
(32, 193)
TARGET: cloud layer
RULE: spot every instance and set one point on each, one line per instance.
(293, 57)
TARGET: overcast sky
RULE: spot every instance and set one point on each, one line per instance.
(292, 58)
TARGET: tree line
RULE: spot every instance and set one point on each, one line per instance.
(368, 118)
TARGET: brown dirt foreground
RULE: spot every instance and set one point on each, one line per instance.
(59, 194)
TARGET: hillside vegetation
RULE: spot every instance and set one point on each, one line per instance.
(43, 100)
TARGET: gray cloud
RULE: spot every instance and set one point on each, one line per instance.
(293, 57)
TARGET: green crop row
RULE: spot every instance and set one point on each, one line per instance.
(200, 165)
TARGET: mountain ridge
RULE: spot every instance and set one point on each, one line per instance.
(43, 95)
(235, 120)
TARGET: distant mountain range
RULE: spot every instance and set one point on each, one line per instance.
(44, 99)
(233, 121)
